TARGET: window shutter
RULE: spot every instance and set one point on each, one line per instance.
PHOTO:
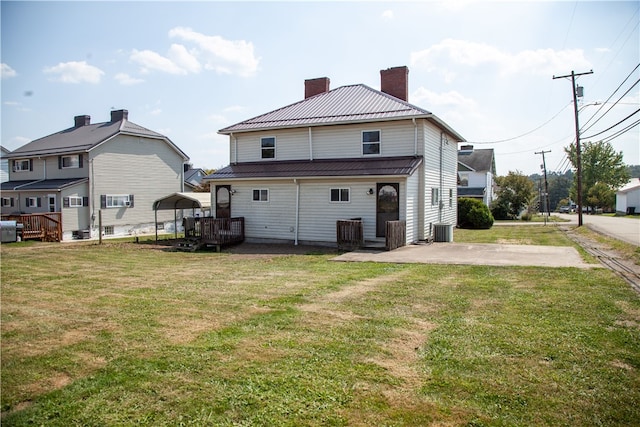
(80, 158)
(103, 201)
(39, 199)
(12, 202)
(85, 201)
(31, 165)
(65, 202)
(130, 200)
(26, 202)
(59, 162)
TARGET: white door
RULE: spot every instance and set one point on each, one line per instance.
(52, 202)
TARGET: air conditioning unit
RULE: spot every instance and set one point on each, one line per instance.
(127, 203)
(442, 233)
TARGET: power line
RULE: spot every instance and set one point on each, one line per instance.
(614, 104)
(622, 131)
(611, 127)
(524, 134)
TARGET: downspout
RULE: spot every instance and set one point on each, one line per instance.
(310, 145)
(415, 136)
(295, 241)
(443, 139)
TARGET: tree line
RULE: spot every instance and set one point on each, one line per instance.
(603, 173)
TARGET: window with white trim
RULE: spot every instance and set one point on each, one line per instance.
(116, 201)
(22, 165)
(75, 202)
(435, 196)
(340, 195)
(261, 195)
(268, 147)
(370, 142)
(7, 201)
(33, 202)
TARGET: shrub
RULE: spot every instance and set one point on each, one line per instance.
(472, 213)
(500, 209)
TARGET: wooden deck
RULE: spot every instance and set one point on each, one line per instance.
(43, 226)
(209, 231)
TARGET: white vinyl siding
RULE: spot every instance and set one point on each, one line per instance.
(56, 170)
(76, 218)
(147, 168)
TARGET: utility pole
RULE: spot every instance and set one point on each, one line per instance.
(574, 89)
(546, 184)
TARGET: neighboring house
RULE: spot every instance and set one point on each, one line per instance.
(476, 169)
(628, 197)
(193, 177)
(4, 164)
(350, 152)
(113, 171)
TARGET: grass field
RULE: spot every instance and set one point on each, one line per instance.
(134, 334)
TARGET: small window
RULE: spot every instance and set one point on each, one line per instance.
(463, 179)
(435, 196)
(33, 202)
(70, 162)
(22, 165)
(370, 142)
(108, 230)
(7, 201)
(75, 202)
(268, 146)
(340, 195)
(451, 197)
(261, 195)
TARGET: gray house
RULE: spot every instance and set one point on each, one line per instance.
(476, 171)
(350, 152)
(4, 164)
(114, 170)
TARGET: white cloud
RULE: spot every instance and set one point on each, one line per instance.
(150, 60)
(75, 72)
(127, 80)
(218, 54)
(449, 54)
(184, 59)
(7, 71)
(234, 109)
(387, 14)
(426, 97)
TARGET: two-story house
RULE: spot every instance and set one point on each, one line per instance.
(350, 152)
(111, 171)
(476, 171)
(4, 164)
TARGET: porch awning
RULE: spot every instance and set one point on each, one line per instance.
(183, 201)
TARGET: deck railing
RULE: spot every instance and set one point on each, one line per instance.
(395, 234)
(221, 231)
(44, 226)
(349, 234)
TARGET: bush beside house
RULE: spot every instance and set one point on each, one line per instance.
(473, 213)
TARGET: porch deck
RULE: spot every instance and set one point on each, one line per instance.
(43, 226)
(218, 232)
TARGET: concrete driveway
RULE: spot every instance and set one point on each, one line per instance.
(475, 254)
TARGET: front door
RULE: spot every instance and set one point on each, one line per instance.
(387, 206)
(223, 201)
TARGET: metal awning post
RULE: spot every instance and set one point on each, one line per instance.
(155, 211)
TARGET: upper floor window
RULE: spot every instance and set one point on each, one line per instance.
(22, 165)
(340, 195)
(463, 179)
(370, 142)
(435, 196)
(7, 201)
(70, 162)
(268, 146)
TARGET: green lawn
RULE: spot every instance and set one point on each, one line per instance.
(126, 334)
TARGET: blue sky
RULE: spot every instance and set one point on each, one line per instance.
(188, 69)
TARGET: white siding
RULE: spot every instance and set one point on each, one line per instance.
(75, 218)
(147, 168)
(55, 172)
(413, 208)
(329, 142)
(4, 170)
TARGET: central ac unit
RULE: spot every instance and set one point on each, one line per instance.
(442, 233)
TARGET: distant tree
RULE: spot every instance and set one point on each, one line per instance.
(559, 187)
(205, 186)
(516, 191)
(601, 164)
(602, 196)
(634, 171)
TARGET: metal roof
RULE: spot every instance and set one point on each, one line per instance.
(346, 104)
(41, 184)
(183, 201)
(84, 138)
(387, 166)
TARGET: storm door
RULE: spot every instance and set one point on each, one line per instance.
(223, 201)
(387, 206)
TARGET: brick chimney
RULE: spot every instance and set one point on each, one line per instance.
(118, 115)
(314, 87)
(80, 121)
(395, 82)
